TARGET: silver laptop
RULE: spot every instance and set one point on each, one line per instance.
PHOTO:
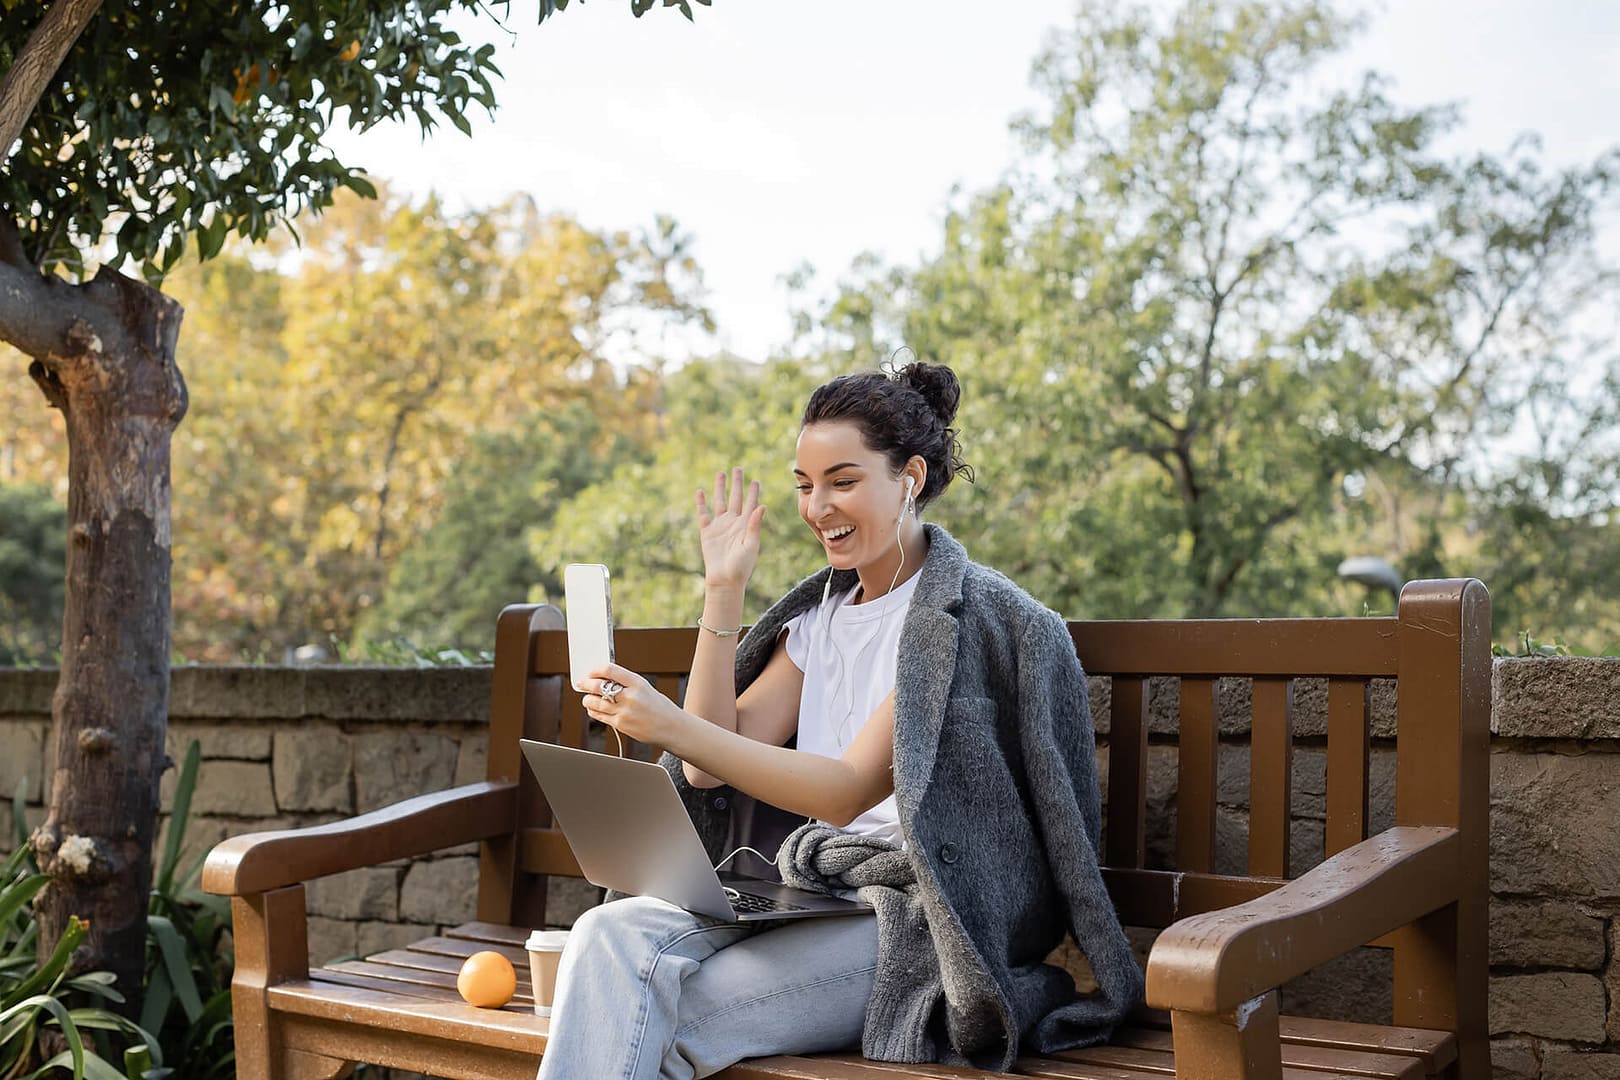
(629, 831)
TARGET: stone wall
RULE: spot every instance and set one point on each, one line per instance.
(286, 747)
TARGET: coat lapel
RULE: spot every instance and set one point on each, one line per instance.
(928, 643)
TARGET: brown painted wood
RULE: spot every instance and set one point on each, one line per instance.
(1271, 761)
(407, 959)
(1195, 777)
(415, 980)
(1349, 746)
(462, 948)
(546, 851)
(267, 860)
(1317, 1058)
(1442, 777)
(1435, 1050)
(1213, 963)
(1127, 773)
(1240, 1044)
(1288, 648)
(271, 942)
(1157, 898)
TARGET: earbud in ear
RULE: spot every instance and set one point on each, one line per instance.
(911, 482)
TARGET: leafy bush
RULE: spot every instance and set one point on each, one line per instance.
(38, 997)
(188, 957)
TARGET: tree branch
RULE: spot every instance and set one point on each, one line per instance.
(25, 81)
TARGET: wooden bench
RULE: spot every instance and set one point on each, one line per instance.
(1229, 942)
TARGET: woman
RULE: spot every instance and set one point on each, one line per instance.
(941, 748)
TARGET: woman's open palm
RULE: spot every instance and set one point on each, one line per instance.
(730, 534)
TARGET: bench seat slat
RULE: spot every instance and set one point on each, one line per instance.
(1163, 1063)
(443, 982)
(448, 946)
(1353, 1062)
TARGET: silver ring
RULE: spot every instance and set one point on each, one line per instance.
(609, 691)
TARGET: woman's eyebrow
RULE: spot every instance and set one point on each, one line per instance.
(830, 469)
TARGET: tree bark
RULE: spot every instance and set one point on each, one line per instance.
(104, 353)
(25, 80)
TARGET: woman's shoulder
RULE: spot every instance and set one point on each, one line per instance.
(990, 597)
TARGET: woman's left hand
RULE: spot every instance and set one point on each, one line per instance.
(636, 710)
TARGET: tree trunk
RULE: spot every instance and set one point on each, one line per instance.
(104, 354)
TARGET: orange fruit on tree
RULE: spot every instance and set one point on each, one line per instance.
(350, 51)
(487, 980)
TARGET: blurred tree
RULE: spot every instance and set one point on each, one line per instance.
(32, 526)
(641, 520)
(447, 587)
(1213, 291)
(327, 437)
(142, 126)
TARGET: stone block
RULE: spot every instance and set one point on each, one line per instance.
(1545, 934)
(1232, 705)
(27, 692)
(236, 741)
(472, 759)
(375, 693)
(1514, 1059)
(1559, 1064)
(236, 692)
(226, 789)
(368, 893)
(376, 937)
(1567, 697)
(1356, 986)
(567, 898)
(312, 767)
(332, 939)
(393, 765)
(1552, 825)
(1554, 1005)
(1100, 693)
(440, 891)
(1382, 707)
(22, 759)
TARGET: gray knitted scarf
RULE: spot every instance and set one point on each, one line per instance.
(907, 982)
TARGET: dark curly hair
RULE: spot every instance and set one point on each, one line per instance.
(900, 415)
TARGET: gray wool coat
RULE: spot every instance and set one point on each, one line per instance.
(995, 778)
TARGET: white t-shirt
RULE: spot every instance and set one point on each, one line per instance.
(847, 674)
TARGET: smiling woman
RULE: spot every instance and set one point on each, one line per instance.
(856, 705)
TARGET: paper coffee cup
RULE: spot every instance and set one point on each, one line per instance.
(545, 951)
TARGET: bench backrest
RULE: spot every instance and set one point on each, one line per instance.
(1436, 649)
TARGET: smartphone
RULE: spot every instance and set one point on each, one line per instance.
(590, 619)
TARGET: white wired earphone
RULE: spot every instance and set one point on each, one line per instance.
(908, 507)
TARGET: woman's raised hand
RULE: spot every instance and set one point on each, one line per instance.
(730, 534)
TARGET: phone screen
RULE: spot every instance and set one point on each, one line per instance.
(590, 619)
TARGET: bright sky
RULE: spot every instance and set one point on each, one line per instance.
(778, 132)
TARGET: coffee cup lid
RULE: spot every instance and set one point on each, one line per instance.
(547, 939)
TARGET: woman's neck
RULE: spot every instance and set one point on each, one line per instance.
(890, 572)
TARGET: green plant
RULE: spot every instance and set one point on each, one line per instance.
(1525, 645)
(36, 999)
(188, 961)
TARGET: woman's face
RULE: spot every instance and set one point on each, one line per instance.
(847, 495)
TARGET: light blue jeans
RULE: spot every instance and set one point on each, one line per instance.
(646, 989)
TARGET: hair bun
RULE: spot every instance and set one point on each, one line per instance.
(936, 383)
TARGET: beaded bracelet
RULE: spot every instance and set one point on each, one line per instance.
(717, 633)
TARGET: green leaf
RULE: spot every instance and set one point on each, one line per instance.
(184, 786)
(177, 964)
(360, 186)
(74, 1054)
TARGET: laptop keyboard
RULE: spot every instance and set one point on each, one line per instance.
(741, 902)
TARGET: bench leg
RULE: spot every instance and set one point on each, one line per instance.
(272, 945)
(1240, 1045)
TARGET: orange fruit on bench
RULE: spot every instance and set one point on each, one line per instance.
(487, 980)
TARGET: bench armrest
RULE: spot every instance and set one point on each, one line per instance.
(257, 862)
(1217, 961)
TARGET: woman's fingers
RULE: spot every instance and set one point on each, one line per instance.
(735, 504)
(720, 491)
(704, 520)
